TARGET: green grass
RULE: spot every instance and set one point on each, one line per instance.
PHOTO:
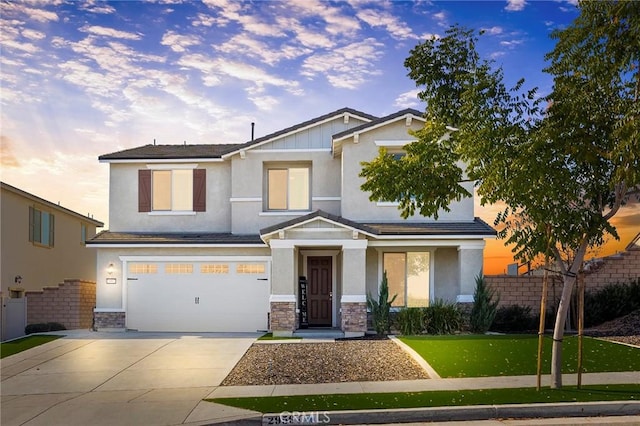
(19, 345)
(513, 355)
(270, 336)
(363, 401)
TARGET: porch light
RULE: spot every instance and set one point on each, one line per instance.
(110, 269)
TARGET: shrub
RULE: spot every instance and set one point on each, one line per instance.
(484, 307)
(514, 318)
(610, 302)
(410, 321)
(380, 308)
(442, 318)
(43, 327)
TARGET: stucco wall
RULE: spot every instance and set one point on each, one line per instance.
(249, 193)
(123, 202)
(41, 266)
(355, 202)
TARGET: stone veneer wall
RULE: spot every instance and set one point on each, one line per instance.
(283, 316)
(70, 304)
(354, 317)
(110, 320)
(526, 290)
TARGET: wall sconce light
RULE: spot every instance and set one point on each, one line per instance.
(17, 279)
(110, 269)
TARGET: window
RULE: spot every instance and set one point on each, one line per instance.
(41, 227)
(172, 190)
(408, 277)
(214, 268)
(250, 268)
(178, 268)
(143, 268)
(288, 188)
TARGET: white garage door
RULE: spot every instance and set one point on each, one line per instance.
(197, 296)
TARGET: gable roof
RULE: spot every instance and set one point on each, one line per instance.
(25, 194)
(408, 113)
(305, 124)
(170, 152)
(477, 228)
(220, 151)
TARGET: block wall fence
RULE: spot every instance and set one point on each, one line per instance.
(526, 290)
(70, 303)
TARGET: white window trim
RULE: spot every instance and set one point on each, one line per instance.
(286, 166)
(172, 213)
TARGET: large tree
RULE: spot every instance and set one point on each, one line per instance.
(562, 165)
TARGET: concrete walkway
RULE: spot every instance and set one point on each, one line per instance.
(161, 378)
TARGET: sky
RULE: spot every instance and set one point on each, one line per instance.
(82, 79)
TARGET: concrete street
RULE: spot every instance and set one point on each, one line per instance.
(161, 378)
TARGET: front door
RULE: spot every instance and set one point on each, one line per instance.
(319, 293)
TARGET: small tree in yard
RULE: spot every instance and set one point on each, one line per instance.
(484, 307)
(561, 166)
(381, 307)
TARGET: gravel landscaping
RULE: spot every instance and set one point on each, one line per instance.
(326, 362)
(625, 329)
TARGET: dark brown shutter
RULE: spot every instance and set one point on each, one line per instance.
(144, 190)
(52, 225)
(199, 190)
(32, 220)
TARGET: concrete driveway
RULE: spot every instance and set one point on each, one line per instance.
(121, 379)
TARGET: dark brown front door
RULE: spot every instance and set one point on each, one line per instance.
(319, 292)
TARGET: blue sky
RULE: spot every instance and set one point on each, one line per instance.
(81, 79)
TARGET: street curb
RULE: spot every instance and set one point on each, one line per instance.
(443, 414)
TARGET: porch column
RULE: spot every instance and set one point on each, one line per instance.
(353, 303)
(283, 295)
(470, 258)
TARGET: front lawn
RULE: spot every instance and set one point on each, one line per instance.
(19, 345)
(514, 355)
(364, 401)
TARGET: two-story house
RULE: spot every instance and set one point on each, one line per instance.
(273, 234)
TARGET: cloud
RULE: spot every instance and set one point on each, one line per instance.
(376, 18)
(515, 5)
(178, 42)
(39, 15)
(102, 7)
(495, 30)
(109, 32)
(346, 67)
(336, 22)
(7, 155)
(245, 45)
(231, 11)
(203, 20)
(33, 34)
(511, 43)
(408, 99)
(264, 103)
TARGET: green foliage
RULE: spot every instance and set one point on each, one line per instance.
(514, 318)
(410, 321)
(481, 355)
(610, 302)
(442, 318)
(43, 327)
(16, 346)
(484, 309)
(446, 398)
(380, 308)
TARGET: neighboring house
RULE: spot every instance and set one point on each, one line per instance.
(245, 237)
(42, 244)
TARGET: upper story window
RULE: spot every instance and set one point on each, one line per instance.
(41, 227)
(288, 187)
(172, 190)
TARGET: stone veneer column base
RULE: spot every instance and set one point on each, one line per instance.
(283, 318)
(110, 321)
(354, 318)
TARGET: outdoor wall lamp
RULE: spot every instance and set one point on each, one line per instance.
(110, 269)
(17, 279)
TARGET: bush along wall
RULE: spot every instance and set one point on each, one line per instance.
(611, 302)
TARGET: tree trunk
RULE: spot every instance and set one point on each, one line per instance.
(558, 332)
